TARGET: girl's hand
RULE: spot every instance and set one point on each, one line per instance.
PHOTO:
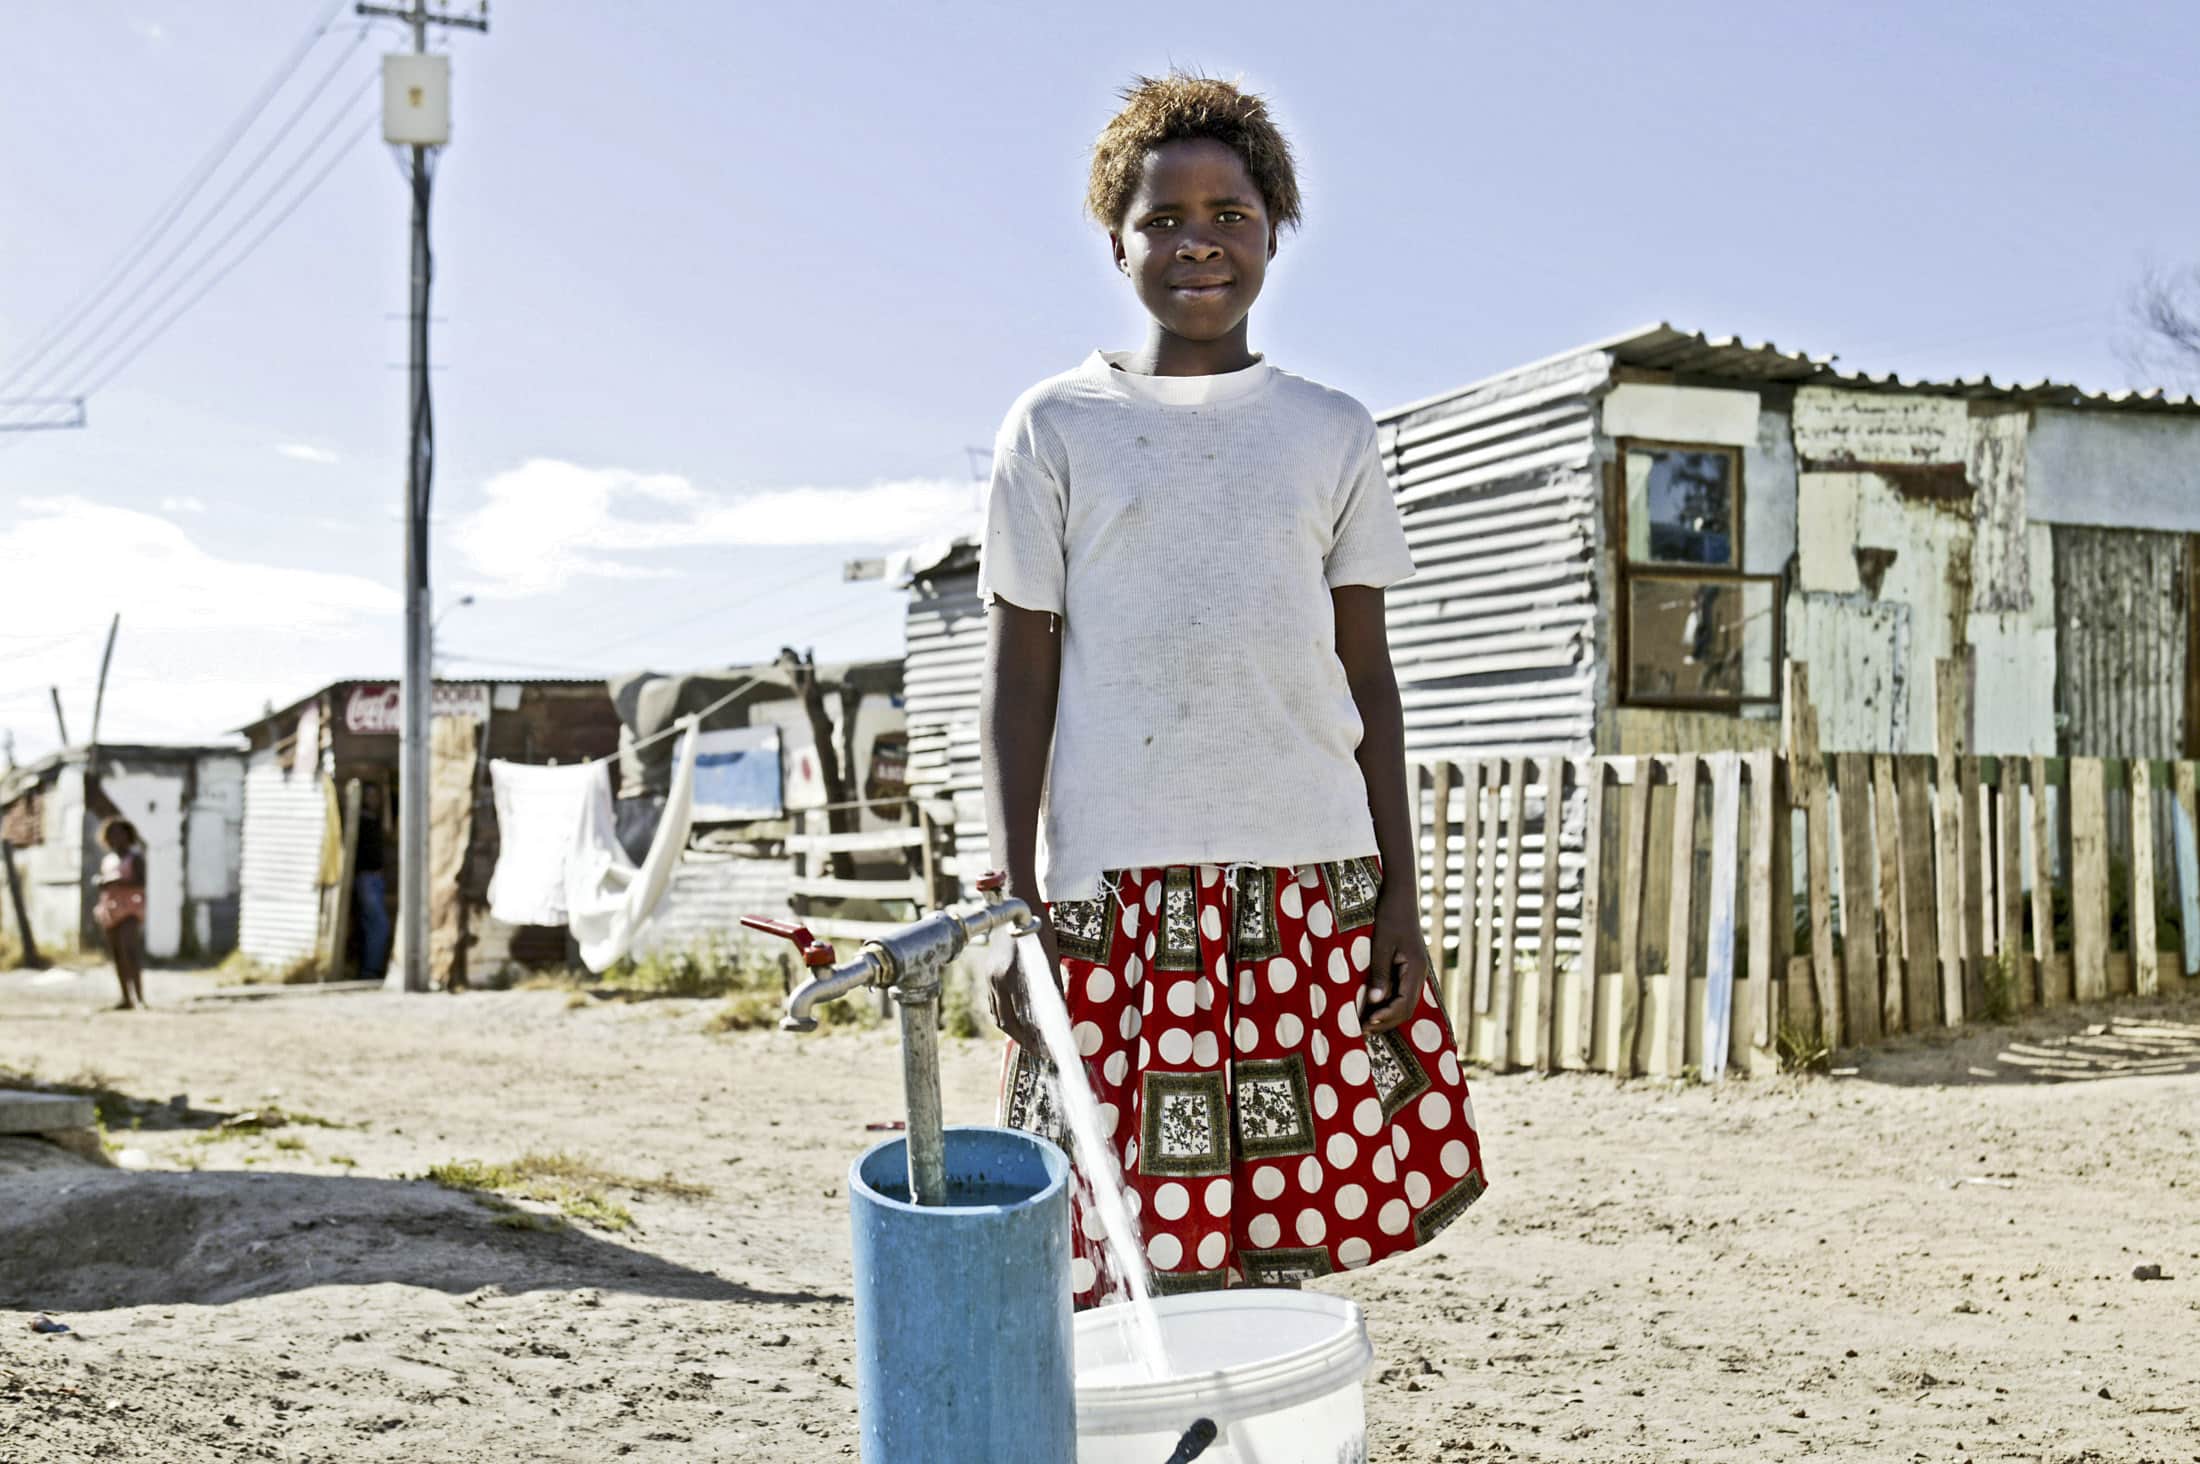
(1011, 1005)
(1398, 963)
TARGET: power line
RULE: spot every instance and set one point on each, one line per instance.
(145, 342)
(166, 214)
(60, 369)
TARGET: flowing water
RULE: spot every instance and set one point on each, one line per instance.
(1096, 1166)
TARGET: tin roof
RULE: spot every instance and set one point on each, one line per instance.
(1665, 347)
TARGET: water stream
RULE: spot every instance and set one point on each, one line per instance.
(1095, 1159)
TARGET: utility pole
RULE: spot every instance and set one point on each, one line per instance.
(416, 113)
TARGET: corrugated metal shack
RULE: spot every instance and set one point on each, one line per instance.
(188, 805)
(1617, 546)
(349, 730)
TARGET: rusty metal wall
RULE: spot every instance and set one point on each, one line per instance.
(2121, 641)
(1494, 636)
(944, 662)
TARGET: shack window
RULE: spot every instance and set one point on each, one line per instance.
(1697, 632)
(1683, 505)
(1701, 639)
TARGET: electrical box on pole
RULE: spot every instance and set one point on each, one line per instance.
(416, 99)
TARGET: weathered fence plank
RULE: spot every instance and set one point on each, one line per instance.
(1592, 913)
(1771, 900)
(1679, 921)
(1442, 972)
(2009, 883)
(1859, 937)
(2188, 866)
(1887, 844)
(2088, 879)
(1975, 944)
(1635, 827)
(1546, 933)
(1807, 781)
(1920, 927)
(2054, 977)
(1950, 684)
(1504, 962)
(1718, 957)
(1490, 803)
(2146, 960)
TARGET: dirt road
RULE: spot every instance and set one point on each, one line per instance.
(1930, 1257)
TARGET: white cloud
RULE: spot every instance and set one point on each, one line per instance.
(183, 504)
(205, 640)
(547, 522)
(306, 452)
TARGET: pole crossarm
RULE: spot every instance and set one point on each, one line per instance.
(417, 15)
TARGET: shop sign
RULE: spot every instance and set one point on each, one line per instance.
(373, 711)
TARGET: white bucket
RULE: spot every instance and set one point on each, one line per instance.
(1279, 1374)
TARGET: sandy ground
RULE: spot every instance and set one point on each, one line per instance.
(1928, 1257)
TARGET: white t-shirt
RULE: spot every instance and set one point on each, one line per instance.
(1188, 530)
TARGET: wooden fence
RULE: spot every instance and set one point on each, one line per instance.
(852, 885)
(1650, 914)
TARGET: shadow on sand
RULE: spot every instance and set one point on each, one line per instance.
(84, 1239)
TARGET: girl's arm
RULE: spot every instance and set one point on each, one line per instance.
(1399, 962)
(1023, 672)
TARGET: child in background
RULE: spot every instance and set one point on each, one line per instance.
(1189, 685)
(120, 909)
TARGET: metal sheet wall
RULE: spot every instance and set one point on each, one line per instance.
(709, 893)
(945, 659)
(2121, 641)
(284, 812)
(1494, 636)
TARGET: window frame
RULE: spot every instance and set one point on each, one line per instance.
(1628, 571)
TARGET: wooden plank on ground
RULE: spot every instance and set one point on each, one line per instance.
(2088, 879)
(1950, 693)
(1635, 825)
(1887, 845)
(1441, 971)
(2146, 959)
(2009, 884)
(1976, 948)
(1718, 953)
(1920, 927)
(1770, 904)
(1546, 932)
(1680, 913)
(1860, 999)
(1592, 913)
(2053, 979)
(2187, 829)
(1487, 831)
(1807, 779)
(1504, 967)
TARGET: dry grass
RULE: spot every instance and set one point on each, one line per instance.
(579, 1187)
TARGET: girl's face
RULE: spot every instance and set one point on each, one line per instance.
(1196, 239)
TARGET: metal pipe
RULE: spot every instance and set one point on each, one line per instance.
(865, 970)
(920, 1078)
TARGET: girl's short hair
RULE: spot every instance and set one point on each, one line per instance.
(118, 825)
(1181, 106)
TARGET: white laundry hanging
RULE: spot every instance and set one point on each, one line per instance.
(538, 809)
(607, 897)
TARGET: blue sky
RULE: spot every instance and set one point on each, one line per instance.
(726, 292)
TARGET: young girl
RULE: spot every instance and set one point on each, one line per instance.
(1189, 686)
(120, 909)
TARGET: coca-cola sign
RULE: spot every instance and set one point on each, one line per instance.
(376, 710)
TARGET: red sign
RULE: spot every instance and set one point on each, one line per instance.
(375, 711)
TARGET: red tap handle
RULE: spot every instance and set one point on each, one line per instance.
(813, 951)
(992, 882)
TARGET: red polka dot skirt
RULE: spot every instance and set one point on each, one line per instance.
(1262, 1135)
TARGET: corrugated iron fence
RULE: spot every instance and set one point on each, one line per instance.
(1712, 912)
